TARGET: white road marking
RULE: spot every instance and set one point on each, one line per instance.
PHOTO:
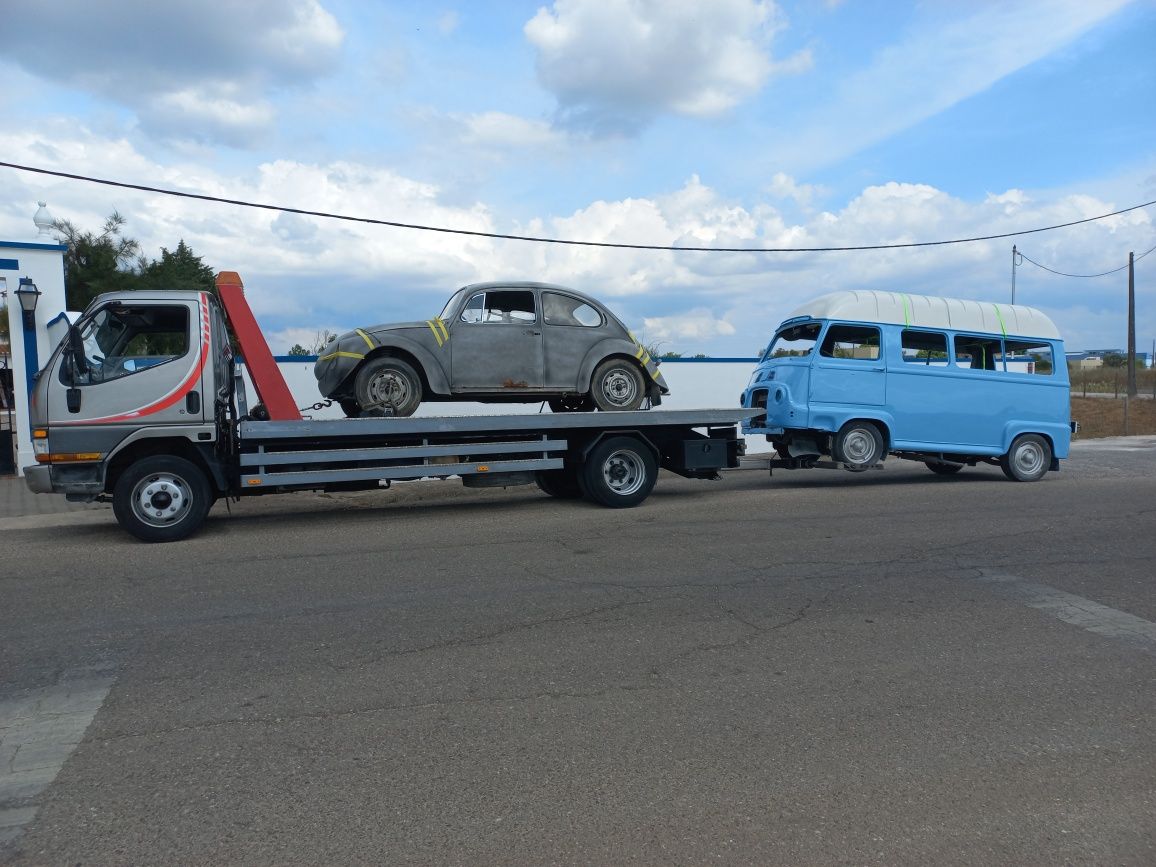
(1078, 611)
(39, 729)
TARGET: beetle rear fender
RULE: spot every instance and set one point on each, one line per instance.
(611, 348)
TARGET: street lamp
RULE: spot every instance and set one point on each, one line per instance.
(28, 295)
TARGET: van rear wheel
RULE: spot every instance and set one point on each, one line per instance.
(859, 445)
(1028, 459)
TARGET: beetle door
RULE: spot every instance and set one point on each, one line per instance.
(497, 343)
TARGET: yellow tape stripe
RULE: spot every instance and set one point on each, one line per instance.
(437, 334)
(341, 355)
(366, 338)
(442, 326)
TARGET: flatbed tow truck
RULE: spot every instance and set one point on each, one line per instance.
(141, 405)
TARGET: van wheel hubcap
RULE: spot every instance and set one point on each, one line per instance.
(1029, 458)
(858, 447)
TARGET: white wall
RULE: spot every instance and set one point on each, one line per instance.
(44, 265)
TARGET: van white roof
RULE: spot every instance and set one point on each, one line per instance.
(956, 314)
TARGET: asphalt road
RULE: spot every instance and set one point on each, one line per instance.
(818, 668)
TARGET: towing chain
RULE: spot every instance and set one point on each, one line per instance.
(321, 404)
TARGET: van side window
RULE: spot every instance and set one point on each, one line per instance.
(851, 341)
(979, 353)
(924, 347)
(1029, 356)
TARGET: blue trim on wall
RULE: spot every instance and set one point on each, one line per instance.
(31, 359)
(9, 264)
(18, 245)
(661, 360)
(301, 358)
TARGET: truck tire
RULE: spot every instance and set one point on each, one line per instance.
(1028, 459)
(859, 445)
(161, 498)
(562, 484)
(387, 381)
(617, 385)
(619, 472)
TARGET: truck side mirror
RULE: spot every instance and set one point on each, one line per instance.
(76, 349)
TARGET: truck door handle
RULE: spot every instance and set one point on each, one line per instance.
(193, 402)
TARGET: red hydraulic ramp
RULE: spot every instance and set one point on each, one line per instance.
(267, 379)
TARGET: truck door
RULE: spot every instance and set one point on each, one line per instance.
(143, 364)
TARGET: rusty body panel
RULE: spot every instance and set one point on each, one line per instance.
(496, 342)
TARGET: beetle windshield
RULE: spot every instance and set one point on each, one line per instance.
(797, 340)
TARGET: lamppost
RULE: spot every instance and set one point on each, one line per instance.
(28, 296)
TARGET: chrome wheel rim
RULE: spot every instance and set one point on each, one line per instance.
(161, 499)
(624, 472)
(1029, 459)
(858, 447)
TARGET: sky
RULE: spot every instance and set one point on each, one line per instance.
(674, 123)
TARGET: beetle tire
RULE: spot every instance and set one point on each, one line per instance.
(388, 381)
(617, 386)
(859, 445)
(1028, 459)
(162, 498)
(619, 472)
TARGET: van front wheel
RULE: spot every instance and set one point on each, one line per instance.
(859, 445)
(1028, 459)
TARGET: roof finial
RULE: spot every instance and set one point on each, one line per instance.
(43, 220)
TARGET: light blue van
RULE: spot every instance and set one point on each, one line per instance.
(859, 375)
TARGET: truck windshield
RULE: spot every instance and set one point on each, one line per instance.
(797, 340)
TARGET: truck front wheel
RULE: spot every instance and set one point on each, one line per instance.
(161, 498)
(619, 472)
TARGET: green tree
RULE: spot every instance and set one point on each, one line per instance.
(320, 339)
(1114, 359)
(96, 263)
(178, 269)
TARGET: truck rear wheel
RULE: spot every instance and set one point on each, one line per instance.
(161, 498)
(619, 472)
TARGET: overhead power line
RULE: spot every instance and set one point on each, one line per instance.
(1027, 258)
(563, 241)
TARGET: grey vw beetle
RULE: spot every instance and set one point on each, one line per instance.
(494, 343)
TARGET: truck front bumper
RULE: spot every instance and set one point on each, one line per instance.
(39, 479)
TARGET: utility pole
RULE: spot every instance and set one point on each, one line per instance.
(1131, 326)
(1014, 253)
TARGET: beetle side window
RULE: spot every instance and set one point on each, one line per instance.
(924, 347)
(501, 306)
(566, 310)
(122, 340)
(851, 341)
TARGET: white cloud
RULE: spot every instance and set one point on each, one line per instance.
(495, 128)
(306, 273)
(204, 69)
(615, 64)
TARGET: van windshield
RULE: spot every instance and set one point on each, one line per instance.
(797, 340)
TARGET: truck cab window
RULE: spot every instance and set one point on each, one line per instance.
(121, 340)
